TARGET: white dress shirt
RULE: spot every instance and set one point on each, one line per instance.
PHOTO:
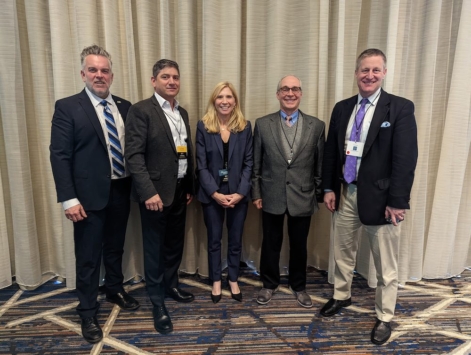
(178, 128)
(370, 110)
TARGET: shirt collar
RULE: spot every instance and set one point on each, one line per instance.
(164, 103)
(294, 116)
(372, 99)
(96, 100)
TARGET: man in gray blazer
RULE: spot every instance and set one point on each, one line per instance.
(160, 159)
(286, 180)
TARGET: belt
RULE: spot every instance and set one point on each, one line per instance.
(120, 180)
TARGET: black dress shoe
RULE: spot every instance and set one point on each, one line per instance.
(179, 295)
(334, 306)
(236, 296)
(91, 330)
(123, 300)
(162, 321)
(216, 298)
(381, 332)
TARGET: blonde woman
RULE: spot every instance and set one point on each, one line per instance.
(224, 165)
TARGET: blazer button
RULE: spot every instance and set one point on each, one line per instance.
(108, 176)
(287, 182)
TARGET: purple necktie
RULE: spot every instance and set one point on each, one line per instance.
(350, 171)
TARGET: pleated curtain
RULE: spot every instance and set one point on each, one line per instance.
(251, 43)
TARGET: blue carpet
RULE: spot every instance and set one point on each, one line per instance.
(432, 317)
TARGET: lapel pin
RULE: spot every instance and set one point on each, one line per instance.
(385, 124)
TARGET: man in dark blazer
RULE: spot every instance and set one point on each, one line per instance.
(369, 193)
(160, 159)
(286, 180)
(87, 141)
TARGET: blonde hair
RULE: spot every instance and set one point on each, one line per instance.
(237, 121)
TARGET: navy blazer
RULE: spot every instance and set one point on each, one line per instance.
(78, 151)
(210, 158)
(389, 157)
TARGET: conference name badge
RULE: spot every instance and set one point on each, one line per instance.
(224, 174)
(182, 151)
(355, 149)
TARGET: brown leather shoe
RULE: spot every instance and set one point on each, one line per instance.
(265, 295)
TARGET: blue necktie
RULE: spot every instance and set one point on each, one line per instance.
(117, 158)
(350, 171)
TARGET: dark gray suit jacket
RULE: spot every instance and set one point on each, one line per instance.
(282, 186)
(389, 157)
(151, 155)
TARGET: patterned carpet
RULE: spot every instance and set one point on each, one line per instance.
(432, 318)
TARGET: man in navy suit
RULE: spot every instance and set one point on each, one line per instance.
(369, 162)
(93, 185)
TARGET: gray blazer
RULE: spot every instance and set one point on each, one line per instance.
(151, 155)
(295, 187)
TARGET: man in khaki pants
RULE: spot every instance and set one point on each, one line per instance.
(368, 170)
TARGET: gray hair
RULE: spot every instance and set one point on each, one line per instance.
(371, 52)
(278, 87)
(94, 50)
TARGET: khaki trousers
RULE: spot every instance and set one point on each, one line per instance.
(384, 244)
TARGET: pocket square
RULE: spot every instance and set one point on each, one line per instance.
(385, 124)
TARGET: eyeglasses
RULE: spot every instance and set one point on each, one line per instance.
(294, 89)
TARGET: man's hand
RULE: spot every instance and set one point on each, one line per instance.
(257, 203)
(189, 198)
(395, 214)
(154, 203)
(329, 201)
(75, 213)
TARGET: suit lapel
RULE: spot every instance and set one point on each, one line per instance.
(233, 141)
(122, 110)
(218, 142)
(163, 120)
(186, 121)
(305, 133)
(343, 125)
(381, 112)
(88, 108)
(276, 131)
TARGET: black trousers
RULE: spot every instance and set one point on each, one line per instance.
(298, 230)
(163, 236)
(101, 233)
